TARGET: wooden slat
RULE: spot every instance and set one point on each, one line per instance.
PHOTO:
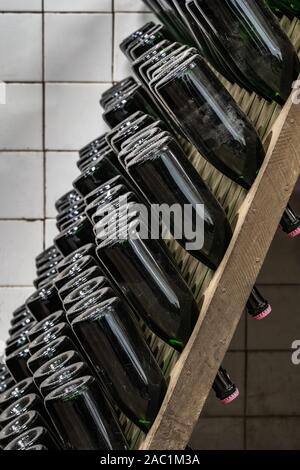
(225, 299)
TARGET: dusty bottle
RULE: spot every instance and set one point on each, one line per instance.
(95, 426)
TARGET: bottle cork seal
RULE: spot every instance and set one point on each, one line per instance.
(231, 398)
(295, 233)
(264, 314)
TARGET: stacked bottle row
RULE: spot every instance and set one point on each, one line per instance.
(77, 360)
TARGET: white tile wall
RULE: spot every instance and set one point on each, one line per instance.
(22, 182)
(21, 5)
(79, 5)
(21, 47)
(50, 232)
(56, 64)
(21, 118)
(73, 115)
(130, 5)
(20, 242)
(87, 44)
(59, 163)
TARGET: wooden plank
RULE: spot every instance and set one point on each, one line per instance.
(225, 299)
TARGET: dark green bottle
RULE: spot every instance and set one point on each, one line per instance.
(289, 8)
(251, 38)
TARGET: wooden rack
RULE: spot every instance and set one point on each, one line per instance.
(223, 296)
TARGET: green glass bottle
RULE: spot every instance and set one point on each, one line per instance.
(289, 8)
(251, 38)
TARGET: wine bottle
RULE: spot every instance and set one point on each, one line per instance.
(143, 44)
(17, 391)
(93, 150)
(55, 364)
(289, 8)
(46, 255)
(168, 15)
(16, 343)
(94, 144)
(136, 126)
(135, 100)
(44, 339)
(45, 325)
(22, 313)
(70, 217)
(90, 159)
(68, 199)
(112, 223)
(45, 279)
(17, 363)
(23, 332)
(91, 287)
(32, 437)
(147, 69)
(117, 203)
(177, 182)
(64, 376)
(252, 39)
(132, 151)
(241, 149)
(135, 381)
(152, 285)
(20, 325)
(100, 172)
(82, 403)
(195, 98)
(123, 125)
(23, 423)
(86, 250)
(136, 34)
(88, 302)
(115, 192)
(131, 42)
(48, 266)
(79, 280)
(102, 189)
(155, 54)
(224, 389)
(74, 270)
(44, 302)
(114, 91)
(23, 405)
(139, 135)
(74, 237)
(58, 346)
(6, 384)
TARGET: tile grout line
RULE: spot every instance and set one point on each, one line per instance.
(113, 40)
(43, 124)
(56, 12)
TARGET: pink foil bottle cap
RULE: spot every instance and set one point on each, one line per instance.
(231, 398)
(295, 233)
(264, 314)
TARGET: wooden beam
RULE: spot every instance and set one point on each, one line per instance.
(225, 299)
